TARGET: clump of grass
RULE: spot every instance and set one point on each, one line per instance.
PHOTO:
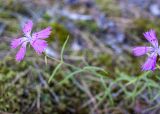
(131, 87)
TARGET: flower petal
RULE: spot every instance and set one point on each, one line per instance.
(43, 34)
(150, 64)
(141, 50)
(21, 53)
(39, 45)
(151, 37)
(28, 27)
(16, 42)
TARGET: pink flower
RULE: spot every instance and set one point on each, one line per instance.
(153, 50)
(36, 40)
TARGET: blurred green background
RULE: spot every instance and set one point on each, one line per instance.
(101, 36)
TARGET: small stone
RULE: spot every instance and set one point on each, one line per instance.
(155, 10)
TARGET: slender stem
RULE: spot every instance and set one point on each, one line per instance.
(59, 61)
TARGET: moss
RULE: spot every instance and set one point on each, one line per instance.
(3, 46)
(6, 14)
(60, 32)
(12, 27)
(7, 3)
(142, 25)
(46, 16)
(87, 25)
(104, 59)
(42, 24)
(15, 6)
(110, 7)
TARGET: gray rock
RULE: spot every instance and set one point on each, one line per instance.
(155, 9)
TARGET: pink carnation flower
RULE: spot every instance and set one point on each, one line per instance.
(153, 51)
(36, 40)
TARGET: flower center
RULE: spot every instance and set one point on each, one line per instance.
(29, 38)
